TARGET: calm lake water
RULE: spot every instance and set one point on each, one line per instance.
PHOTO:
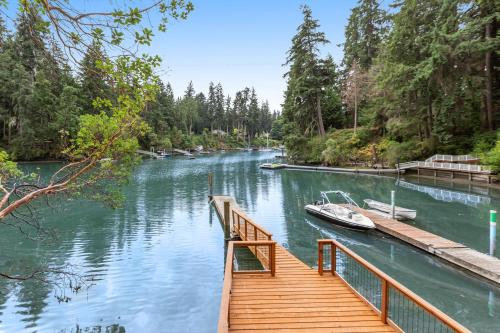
(158, 261)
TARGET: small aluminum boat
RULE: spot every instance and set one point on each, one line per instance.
(341, 215)
(400, 213)
(271, 166)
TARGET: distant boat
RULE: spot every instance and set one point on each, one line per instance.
(338, 214)
(271, 166)
(400, 213)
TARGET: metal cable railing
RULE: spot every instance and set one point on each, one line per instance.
(397, 305)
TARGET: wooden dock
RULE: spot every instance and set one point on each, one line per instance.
(437, 167)
(289, 296)
(341, 170)
(453, 252)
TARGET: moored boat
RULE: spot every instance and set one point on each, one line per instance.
(271, 166)
(338, 214)
(400, 213)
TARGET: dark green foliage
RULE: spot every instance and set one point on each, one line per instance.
(41, 101)
(277, 129)
(423, 80)
(365, 31)
(308, 77)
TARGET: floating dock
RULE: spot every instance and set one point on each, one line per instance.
(464, 167)
(345, 170)
(286, 295)
(453, 252)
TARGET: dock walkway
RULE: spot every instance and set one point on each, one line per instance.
(343, 170)
(298, 299)
(289, 296)
(453, 252)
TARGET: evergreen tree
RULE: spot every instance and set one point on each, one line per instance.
(253, 114)
(189, 93)
(308, 76)
(203, 118)
(93, 79)
(227, 114)
(211, 106)
(189, 107)
(219, 107)
(365, 30)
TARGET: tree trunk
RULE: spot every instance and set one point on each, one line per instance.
(489, 82)
(321, 127)
(355, 106)
(428, 131)
(9, 133)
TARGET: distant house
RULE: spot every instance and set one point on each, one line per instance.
(219, 132)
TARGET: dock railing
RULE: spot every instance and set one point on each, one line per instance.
(224, 320)
(452, 158)
(444, 166)
(247, 230)
(396, 305)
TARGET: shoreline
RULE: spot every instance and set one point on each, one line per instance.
(380, 171)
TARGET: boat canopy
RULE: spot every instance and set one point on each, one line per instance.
(344, 195)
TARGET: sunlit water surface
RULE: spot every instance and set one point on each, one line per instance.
(158, 261)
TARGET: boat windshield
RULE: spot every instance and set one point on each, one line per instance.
(345, 196)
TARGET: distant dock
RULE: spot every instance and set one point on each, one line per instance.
(337, 170)
(459, 167)
(458, 254)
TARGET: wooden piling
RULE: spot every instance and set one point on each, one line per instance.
(227, 221)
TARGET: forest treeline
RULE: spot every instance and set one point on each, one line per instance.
(42, 98)
(417, 78)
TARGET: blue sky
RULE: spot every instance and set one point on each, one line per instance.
(243, 43)
(239, 43)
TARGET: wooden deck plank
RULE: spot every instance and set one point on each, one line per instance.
(298, 299)
(321, 330)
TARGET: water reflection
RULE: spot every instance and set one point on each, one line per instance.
(440, 194)
(158, 261)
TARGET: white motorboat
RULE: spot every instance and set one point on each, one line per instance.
(400, 213)
(338, 214)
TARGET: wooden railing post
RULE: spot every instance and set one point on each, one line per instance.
(384, 305)
(333, 251)
(255, 237)
(272, 255)
(234, 220)
(320, 258)
(227, 222)
(246, 229)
